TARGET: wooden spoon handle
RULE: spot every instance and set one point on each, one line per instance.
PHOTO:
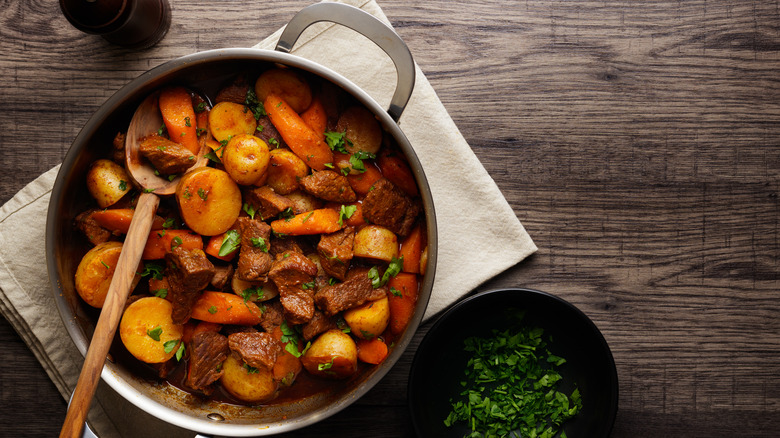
(110, 315)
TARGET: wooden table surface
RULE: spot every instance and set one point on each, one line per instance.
(638, 142)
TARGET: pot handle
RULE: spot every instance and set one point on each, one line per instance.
(370, 27)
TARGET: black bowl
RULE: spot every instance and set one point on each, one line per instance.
(439, 363)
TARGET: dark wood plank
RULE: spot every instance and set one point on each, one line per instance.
(636, 141)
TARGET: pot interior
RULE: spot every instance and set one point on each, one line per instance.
(204, 72)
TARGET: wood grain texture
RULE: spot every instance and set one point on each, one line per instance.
(638, 142)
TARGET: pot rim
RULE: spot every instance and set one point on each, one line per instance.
(135, 91)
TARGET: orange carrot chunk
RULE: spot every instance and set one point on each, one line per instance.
(316, 118)
(411, 250)
(395, 169)
(161, 242)
(372, 351)
(215, 244)
(225, 308)
(321, 221)
(361, 183)
(179, 117)
(118, 220)
(402, 297)
(301, 139)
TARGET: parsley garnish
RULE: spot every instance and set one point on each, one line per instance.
(251, 369)
(346, 212)
(392, 270)
(248, 209)
(104, 264)
(162, 131)
(213, 310)
(169, 223)
(176, 242)
(254, 104)
(200, 107)
(187, 194)
(230, 242)
(202, 193)
(273, 141)
(153, 269)
(495, 402)
(170, 345)
(337, 142)
(254, 291)
(259, 242)
(396, 292)
(325, 366)
(155, 333)
(160, 293)
(187, 122)
(291, 337)
(180, 352)
(310, 285)
(211, 155)
(122, 185)
(287, 214)
(356, 160)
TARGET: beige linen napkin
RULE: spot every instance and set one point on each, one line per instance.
(470, 212)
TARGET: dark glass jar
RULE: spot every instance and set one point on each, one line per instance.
(135, 24)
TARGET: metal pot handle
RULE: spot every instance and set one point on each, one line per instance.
(370, 27)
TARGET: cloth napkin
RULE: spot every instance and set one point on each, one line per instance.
(471, 212)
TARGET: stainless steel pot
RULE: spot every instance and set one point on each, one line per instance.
(206, 71)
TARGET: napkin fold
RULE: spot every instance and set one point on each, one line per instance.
(471, 212)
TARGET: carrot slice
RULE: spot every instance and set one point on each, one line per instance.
(118, 220)
(179, 117)
(395, 169)
(402, 298)
(316, 118)
(224, 308)
(161, 242)
(372, 351)
(361, 183)
(301, 139)
(215, 244)
(321, 221)
(411, 250)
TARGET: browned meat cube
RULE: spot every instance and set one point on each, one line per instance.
(89, 226)
(188, 273)
(335, 250)
(207, 352)
(236, 91)
(168, 157)
(320, 323)
(388, 206)
(118, 154)
(222, 277)
(256, 349)
(354, 291)
(254, 261)
(293, 273)
(273, 315)
(329, 185)
(267, 132)
(280, 245)
(267, 202)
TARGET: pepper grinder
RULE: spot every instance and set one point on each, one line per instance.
(134, 24)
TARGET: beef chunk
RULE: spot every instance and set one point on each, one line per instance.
(257, 349)
(320, 323)
(273, 315)
(354, 291)
(329, 185)
(267, 132)
(388, 206)
(253, 261)
(267, 202)
(188, 273)
(207, 352)
(293, 273)
(222, 277)
(118, 153)
(169, 157)
(236, 91)
(91, 229)
(165, 368)
(335, 250)
(281, 245)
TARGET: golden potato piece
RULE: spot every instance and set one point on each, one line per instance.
(228, 119)
(246, 383)
(246, 158)
(107, 182)
(209, 201)
(95, 271)
(285, 170)
(148, 332)
(332, 355)
(376, 242)
(288, 85)
(362, 130)
(370, 319)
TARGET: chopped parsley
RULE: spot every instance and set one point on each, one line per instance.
(122, 185)
(287, 214)
(396, 292)
(187, 122)
(356, 160)
(392, 270)
(346, 212)
(176, 242)
(154, 270)
(213, 310)
(291, 337)
(160, 293)
(310, 285)
(252, 292)
(169, 223)
(211, 155)
(325, 366)
(337, 142)
(187, 194)
(202, 194)
(104, 264)
(200, 107)
(497, 402)
(180, 352)
(248, 209)
(155, 333)
(273, 141)
(259, 242)
(230, 242)
(170, 345)
(162, 131)
(251, 369)
(254, 104)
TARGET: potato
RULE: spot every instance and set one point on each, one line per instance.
(228, 119)
(376, 242)
(288, 85)
(209, 201)
(95, 271)
(245, 383)
(246, 158)
(254, 291)
(362, 130)
(148, 332)
(107, 182)
(303, 202)
(370, 319)
(285, 170)
(332, 355)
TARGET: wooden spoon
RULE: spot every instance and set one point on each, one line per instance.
(146, 121)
